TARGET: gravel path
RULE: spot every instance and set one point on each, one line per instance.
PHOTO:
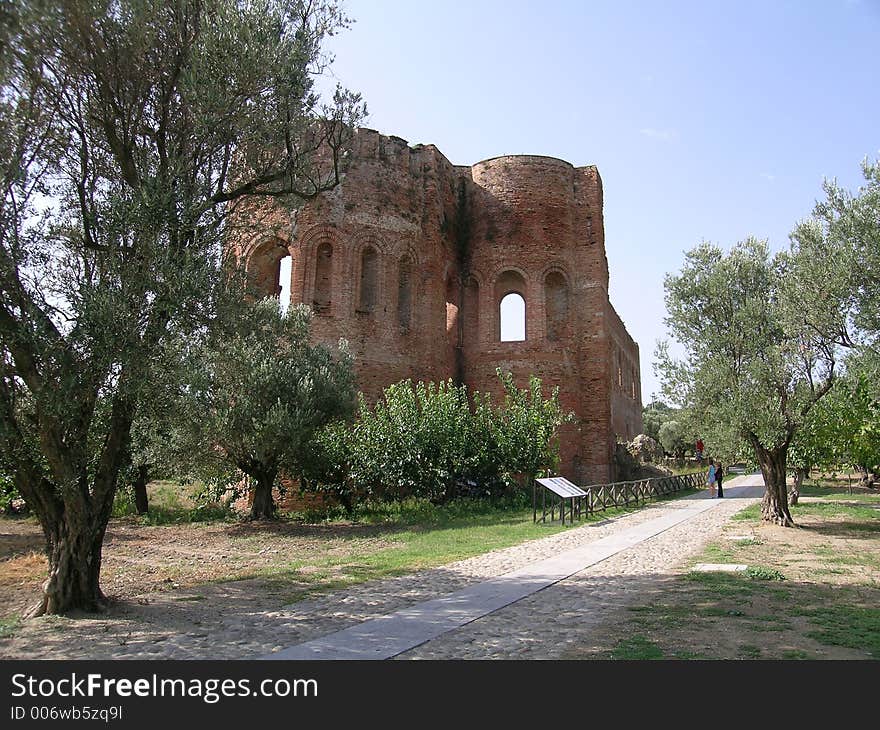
(227, 621)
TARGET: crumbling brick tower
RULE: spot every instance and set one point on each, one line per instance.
(410, 257)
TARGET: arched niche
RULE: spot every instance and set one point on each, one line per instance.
(368, 286)
(556, 305)
(323, 285)
(510, 307)
(404, 292)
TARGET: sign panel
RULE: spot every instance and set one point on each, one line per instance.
(562, 487)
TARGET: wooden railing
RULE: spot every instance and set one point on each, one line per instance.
(621, 494)
(600, 497)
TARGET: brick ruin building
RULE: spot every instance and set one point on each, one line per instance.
(410, 257)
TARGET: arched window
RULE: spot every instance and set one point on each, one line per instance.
(323, 278)
(284, 266)
(510, 307)
(265, 276)
(556, 305)
(513, 318)
(369, 279)
(404, 293)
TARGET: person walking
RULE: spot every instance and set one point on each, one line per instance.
(699, 450)
(710, 478)
(719, 477)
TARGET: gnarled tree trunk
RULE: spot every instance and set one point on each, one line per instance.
(866, 476)
(773, 466)
(800, 474)
(74, 553)
(263, 506)
(74, 521)
(141, 500)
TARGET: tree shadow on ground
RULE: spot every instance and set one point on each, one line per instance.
(853, 530)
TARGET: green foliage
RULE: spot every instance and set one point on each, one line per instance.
(10, 499)
(177, 503)
(744, 346)
(425, 440)
(636, 648)
(844, 428)
(8, 626)
(756, 572)
(524, 428)
(654, 415)
(856, 627)
(130, 131)
(753, 367)
(264, 391)
(836, 280)
(674, 438)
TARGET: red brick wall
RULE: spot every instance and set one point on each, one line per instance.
(471, 234)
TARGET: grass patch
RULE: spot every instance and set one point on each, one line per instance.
(830, 555)
(747, 542)
(719, 611)
(757, 572)
(180, 516)
(795, 654)
(422, 536)
(835, 509)
(836, 493)
(849, 626)
(780, 595)
(636, 648)
(716, 554)
(720, 585)
(752, 512)
(171, 503)
(834, 571)
(8, 626)
(660, 616)
(749, 651)
(769, 622)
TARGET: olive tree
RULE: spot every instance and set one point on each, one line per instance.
(674, 438)
(264, 391)
(834, 285)
(752, 369)
(129, 132)
(844, 428)
(836, 276)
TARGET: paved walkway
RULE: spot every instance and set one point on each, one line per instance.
(522, 601)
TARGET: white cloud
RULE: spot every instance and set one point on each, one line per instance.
(664, 135)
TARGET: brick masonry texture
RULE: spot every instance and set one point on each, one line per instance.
(409, 257)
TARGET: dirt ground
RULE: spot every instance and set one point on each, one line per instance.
(142, 560)
(830, 564)
(826, 559)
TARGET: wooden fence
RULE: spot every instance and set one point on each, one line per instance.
(600, 497)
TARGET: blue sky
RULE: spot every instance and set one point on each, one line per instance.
(707, 120)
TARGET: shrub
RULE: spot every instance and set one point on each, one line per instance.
(424, 440)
